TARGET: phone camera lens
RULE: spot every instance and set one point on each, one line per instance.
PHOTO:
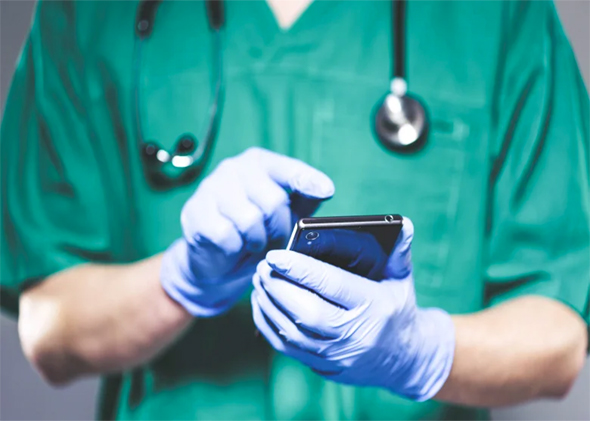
(312, 235)
(389, 218)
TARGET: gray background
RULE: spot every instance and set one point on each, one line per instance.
(23, 395)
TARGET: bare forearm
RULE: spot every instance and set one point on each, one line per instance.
(527, 348)
(98, 318)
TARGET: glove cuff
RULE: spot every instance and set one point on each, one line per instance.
(435, 351)
(178, 281)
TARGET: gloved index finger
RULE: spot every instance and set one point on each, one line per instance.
(296, 176)
(330, 282)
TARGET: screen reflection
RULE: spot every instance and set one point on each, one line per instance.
(360, 250)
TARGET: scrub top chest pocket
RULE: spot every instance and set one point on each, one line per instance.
(428, 186)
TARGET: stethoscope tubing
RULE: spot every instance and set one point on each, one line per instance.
(390, 131)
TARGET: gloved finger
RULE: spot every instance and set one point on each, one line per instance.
(247, 218)
(399, 264)
(230, 284)
(200, 296)
(212, 239)
(273, 202)
(219, 297)
(286, 327)
(201, 221)
(281, 345)
(307, 310)
(295, 175)
(247, 263)
(332, 283)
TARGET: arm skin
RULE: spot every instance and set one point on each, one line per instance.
(70, 326)
(527, 348)
(98, 318)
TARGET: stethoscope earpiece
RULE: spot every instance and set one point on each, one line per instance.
(149, 152)
(156, 156)
(187, 144)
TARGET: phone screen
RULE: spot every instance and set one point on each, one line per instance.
(360, 249)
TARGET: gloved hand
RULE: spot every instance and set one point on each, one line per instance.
(244, 208)
(351, 329)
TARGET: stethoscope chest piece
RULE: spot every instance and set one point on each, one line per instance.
(401, 123)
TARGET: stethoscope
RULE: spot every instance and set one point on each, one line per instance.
(400, 119)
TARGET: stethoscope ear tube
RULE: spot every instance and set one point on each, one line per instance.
(181, 165)
(144, 20)
(215, 13)
(400, 121)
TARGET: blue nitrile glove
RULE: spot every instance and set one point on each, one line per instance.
(350, 329)
(244, 208)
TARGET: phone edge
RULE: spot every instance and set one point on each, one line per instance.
(301, 224)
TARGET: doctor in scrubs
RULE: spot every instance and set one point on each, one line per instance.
(162, 292)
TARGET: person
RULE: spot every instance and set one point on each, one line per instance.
(489, 309)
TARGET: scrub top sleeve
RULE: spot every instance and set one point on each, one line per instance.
(538, 228)
(49, 220)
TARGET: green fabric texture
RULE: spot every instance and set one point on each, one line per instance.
(500, 196)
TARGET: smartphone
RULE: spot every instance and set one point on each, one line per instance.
(358, 244)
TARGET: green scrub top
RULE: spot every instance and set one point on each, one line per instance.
(500, 196)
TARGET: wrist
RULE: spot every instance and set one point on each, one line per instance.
(177, 312)
(180, 285)
(433, 350)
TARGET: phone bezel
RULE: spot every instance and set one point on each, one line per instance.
(342, 221)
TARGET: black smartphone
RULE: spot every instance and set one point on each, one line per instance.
(358, 244)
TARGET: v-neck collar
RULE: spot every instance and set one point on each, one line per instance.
(258, 31)
(293, 26)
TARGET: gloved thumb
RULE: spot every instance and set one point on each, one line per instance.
(306, 185)
(399, 265)
(296, 176)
